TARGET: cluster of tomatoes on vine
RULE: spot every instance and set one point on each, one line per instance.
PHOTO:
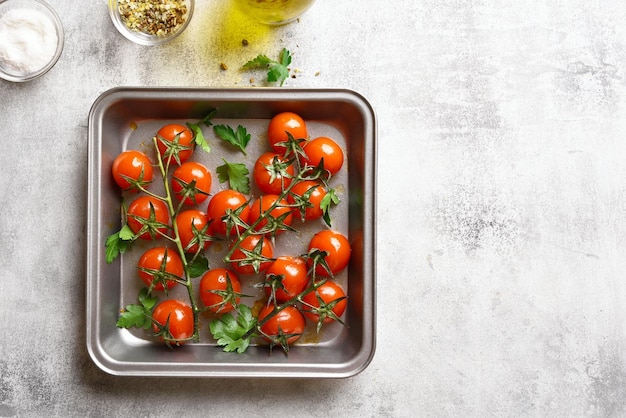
(294, 180)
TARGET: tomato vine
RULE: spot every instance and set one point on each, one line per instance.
(236, 327)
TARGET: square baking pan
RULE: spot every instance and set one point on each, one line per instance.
(127, 118)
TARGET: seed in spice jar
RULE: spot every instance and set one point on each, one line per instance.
(153, 17)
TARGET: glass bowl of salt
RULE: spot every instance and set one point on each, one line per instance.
(31, 39)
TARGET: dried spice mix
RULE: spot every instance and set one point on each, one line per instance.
(153, 17)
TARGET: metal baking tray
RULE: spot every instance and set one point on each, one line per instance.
(124, 118)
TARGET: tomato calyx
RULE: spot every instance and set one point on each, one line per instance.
(325, 310)
(161, 276)
(164, 332)
(150, 225)
(273, 282)
(137, 184)
(317, 257)
(276, 225)
(201, 237)
(232, 220)
(253, 257)
(279, 169)
(293, 146)
(229, 297)
(173, 148)
(281, 339)
(189, 192)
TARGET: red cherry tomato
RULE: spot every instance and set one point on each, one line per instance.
(193, 230)
(223, 201)
(287, 325)
(132, 168)
(260, 259)
(149, 215)
(333, 303)
(280, 125)
(191, 182)
(272, 173)
(160, 265)
(288, 275)
(175, 143)
(310, 194)
(214, 290)
(337, 248)
(282, 213)
(173, 321)
(323, 148)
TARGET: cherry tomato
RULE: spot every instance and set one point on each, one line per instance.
(132, 168)
(323, 148)
(310, 194)
(333, 303)
(193, 230)
(175, 143)
(281, 214)
(147, 215)
(337, 248)
(191, 182)
(257, 259)
(173, 321)
(223, 201)
(286, 326)
(272, 173)
(280, 125)
(160, 265)
(214, 290)
(289, 277)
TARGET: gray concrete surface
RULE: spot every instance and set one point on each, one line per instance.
(502, 208)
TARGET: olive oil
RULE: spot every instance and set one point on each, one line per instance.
(274, 12)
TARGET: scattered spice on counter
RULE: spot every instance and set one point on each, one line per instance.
(153, 17)
(223, 66)
(28, 40)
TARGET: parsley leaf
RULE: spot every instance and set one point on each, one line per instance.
(118, 242)
(139, 316)
(277, 71)
(199, 266)
(236, 174)
(233, 334)
(239, 138)
(329, 199)
(199, 138)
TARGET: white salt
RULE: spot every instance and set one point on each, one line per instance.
(28, 40)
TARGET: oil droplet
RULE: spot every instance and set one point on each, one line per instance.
(132, 125)
(227, 34)
(257, 306)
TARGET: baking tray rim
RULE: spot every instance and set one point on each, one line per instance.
(357, 363)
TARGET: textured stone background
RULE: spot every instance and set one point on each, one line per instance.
(501, 220)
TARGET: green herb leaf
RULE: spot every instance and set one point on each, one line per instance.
(238, 138)
(236, 174)
(199, 266)
(278, 71)
(118, 242)
(233, 334)
(328, 200)
(258, 61)
(199, 138)
(285, 57)
(139, 316)
(148, 301)
(133, 316)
